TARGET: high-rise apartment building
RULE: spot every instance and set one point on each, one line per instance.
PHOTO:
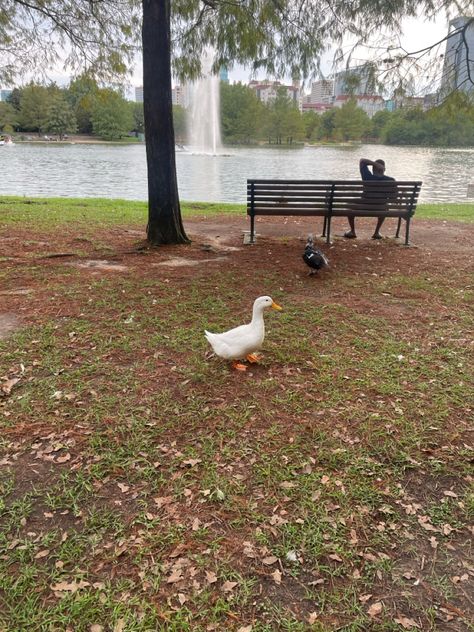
(322, 91)
(180, 95)
(224, 74)
(139, 94)
(458, 67)
(356, 81)
(267, 91)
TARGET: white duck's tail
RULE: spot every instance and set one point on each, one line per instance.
(211, 338)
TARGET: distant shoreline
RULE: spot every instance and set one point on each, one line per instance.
(73, 140)
(93, 140)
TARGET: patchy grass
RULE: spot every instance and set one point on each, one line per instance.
(46, 213)
(145, 486)
(449, 212)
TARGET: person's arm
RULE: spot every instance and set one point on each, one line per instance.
(364, 163)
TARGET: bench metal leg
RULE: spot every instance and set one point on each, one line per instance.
(324, 226)
(397, 234)
(252, 229)
(328, 230)
(407, 232)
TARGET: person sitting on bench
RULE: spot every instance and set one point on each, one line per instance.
(377, 173)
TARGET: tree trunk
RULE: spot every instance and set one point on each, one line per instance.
(164, 214)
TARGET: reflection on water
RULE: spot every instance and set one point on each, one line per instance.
(117, 171)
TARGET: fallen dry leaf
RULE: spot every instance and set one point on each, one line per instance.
(291, 556)
(211, 577)
(335, 557)
(69, 586)
(192, 462)
(7, 386)
(312, 617)
(163, 500)
(176, 576)
(228, 586)
(120, 625)
(245, 628)
(375, 609)
(424, 522)
(64, 458)
(364, 598)
(276, 576)
(287, 485)
(268, 561)
(41, 554)
(95, 627)
(123, 488)
(406, 622)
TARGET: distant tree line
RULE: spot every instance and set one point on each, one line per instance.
(85, 108)
(245, 119)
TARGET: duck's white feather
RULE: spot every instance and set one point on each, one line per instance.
(238, 342)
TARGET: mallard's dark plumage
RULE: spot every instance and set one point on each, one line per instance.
(313, 257)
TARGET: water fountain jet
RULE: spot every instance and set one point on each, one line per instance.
(204, 111)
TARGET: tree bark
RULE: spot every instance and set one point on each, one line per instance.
(164, 213)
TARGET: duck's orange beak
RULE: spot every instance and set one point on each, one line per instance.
(276, 306)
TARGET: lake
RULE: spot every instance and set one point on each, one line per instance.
(119, 171)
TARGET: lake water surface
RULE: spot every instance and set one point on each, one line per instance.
(119, 171)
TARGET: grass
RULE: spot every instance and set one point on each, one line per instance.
(145, 487)
(49, 212)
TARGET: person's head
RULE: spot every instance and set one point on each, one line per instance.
(379, 167)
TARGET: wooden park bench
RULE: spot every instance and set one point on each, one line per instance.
(333, 198)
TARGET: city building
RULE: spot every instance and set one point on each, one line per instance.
(224, 74)
(430, 101)
(458, 67)
(321, 91)
(407, 102)
(319, 108)
(5, 94)
(356, 81)
(180, 96)
(370, 103)
(267, 91)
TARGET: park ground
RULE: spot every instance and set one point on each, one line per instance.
(145, 486)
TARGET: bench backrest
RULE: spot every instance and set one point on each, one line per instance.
(332, 197)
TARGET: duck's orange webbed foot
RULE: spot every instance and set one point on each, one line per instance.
(253, 358)
(238, 366)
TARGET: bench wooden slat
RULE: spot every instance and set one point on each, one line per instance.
(294, 212)
(291, 207)
(336, 183)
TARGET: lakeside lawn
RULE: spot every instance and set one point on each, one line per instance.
(44, 212)
(144, 486)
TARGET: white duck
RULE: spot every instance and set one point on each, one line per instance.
(242, 342)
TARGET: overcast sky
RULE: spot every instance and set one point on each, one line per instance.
(417, 33)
